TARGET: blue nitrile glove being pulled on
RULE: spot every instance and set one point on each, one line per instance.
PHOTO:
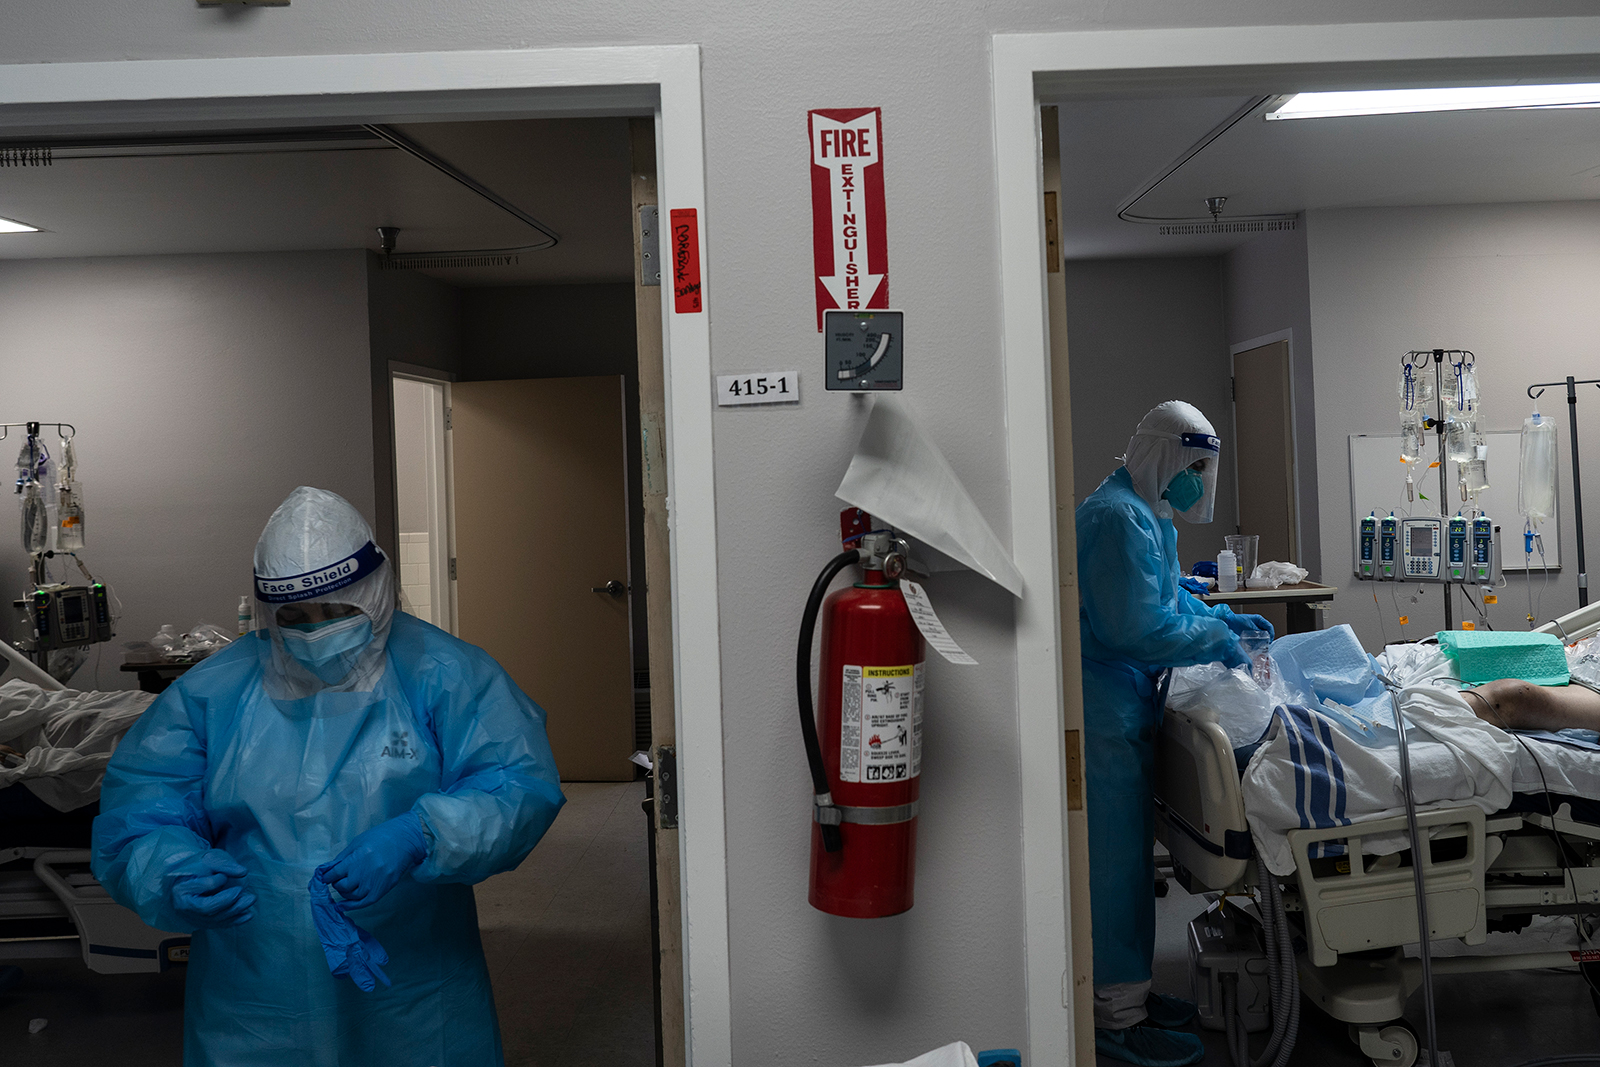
(352, 952)
(1243, 623)
(376, 860)
(208, 891)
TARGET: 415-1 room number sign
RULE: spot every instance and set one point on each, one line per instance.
(766, 387)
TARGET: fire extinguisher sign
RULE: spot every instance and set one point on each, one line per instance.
(880, 737)
(849, 232)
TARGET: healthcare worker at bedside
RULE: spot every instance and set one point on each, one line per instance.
(1135, 622)
(343, 746)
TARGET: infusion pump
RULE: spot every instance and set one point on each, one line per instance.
(1429, 548)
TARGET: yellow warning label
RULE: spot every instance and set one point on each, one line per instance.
(1404, 619)
(1469, 625)
(887, 672)
(1490, 598)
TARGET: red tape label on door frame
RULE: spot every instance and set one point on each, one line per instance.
(849, 232)
(685, 236)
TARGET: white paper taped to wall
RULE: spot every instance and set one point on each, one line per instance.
(899, 476)
(933, 630)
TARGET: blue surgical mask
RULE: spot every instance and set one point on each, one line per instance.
(1185, 490)
(328, 649)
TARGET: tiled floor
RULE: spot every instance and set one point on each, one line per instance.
(567, 936)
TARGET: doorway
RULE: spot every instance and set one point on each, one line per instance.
(659, 82)
(1030, 69)
(423, 513)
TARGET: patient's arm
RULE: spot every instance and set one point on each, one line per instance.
(1516, 705)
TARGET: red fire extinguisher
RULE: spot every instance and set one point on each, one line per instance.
(864, 743)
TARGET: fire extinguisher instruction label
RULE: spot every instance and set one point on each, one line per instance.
(880, 736)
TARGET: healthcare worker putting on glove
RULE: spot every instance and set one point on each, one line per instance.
(1136, 621)
(314, 803)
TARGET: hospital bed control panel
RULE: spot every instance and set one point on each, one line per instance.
(1428, 549)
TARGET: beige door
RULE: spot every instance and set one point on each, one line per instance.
(541, 521)
(1264, 452)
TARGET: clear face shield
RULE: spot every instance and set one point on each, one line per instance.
(327, 623)
(1195, 485)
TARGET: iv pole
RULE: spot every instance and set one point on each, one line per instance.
(1577, 486)
(1437, 355)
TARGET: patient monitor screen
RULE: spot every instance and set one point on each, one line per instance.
(1421, 543)
(73, 609)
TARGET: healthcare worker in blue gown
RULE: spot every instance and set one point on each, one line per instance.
(1136, 621)
(314, 803)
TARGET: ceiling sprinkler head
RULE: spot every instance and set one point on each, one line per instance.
(387, 238)
(1214, 205)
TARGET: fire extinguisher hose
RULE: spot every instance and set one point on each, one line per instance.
(832, 841)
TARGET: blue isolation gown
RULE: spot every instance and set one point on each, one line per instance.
(1135, 621)
(282, 787)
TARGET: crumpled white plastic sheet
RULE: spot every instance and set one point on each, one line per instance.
(900, 476)
(1274, 573)
(64, 739)
(955, 1054)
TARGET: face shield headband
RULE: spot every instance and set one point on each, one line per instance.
(322, 581)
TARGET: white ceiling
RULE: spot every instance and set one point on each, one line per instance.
(570, 174)
(1110, 148)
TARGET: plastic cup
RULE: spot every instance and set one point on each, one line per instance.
(1243, 547)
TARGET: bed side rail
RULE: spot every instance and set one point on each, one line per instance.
(113, 939)
(1354, 902)
(1199, 807)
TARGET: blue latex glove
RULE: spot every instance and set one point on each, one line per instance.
(1240, 623)
(208, 891)
(376, 860)
(1195, 586)
(1232, 654)
(351, 951)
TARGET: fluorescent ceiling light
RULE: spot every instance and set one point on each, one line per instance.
(1408, 101)
(12, 226)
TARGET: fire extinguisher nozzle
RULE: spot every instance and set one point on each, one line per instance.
(832, 839)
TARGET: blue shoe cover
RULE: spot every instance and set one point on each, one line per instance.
(1149, 1046)
(1169, 1012)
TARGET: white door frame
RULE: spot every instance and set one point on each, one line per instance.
(1294, 434)
(1031, 68)
(637, 80)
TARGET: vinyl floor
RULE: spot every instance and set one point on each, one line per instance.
(567, 937)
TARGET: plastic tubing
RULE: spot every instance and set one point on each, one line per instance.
(832, 841)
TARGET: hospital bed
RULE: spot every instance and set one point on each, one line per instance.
(51, 906)
(1352, 912)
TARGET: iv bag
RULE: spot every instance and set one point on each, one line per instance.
(1475, 476)
(69, 518)
(35, 528)
(1450, 385)
(1410, 438)
(1459, 435)
(1416, 386)
(1536, 473)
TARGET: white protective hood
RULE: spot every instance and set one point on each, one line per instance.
(1171, 437)
(317, 548)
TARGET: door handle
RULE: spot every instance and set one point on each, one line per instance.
(612, 588)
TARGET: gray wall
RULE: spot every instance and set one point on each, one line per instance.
(204, 389)
(1516, 284)
(566, 331)
(1267, 288)
(806, 988)
(1141, 331)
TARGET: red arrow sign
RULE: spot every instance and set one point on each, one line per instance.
(849, 235)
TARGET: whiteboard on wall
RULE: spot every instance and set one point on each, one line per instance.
(1378, 483)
